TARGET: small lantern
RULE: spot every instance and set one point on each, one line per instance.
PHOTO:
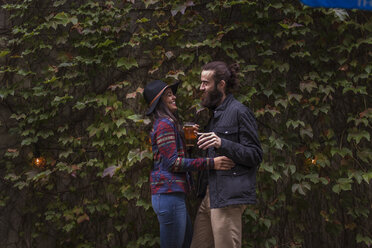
(39, 162)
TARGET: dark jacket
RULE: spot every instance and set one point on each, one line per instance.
(235, 124)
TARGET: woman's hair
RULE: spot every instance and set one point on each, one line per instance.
(224, 72)
(161, 111)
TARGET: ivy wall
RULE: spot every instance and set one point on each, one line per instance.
(72, 74)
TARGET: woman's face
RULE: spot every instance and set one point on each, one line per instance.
(169, 99)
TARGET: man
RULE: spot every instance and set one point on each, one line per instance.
(232, 132)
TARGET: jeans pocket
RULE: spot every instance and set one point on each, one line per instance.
(155, 201)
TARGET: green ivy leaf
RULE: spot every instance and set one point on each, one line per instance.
(306, 131)
(59, 3)
(343, 184)
(367, 176)
(139, 119)
(358, 135)
(79, 105)
(308, 86)
(295, 123)
(121, 132)
(143, 20)
(120, 121)
(29, 141)
(45, 133)
(301, 188)
(105, 43)
(275, 176)
(266, 167)
(365, 155)
(66, 154)
(343, 152)
(364, 239)
(3, 53)
(127, 63)
(64, 19)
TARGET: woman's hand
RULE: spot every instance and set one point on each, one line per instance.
(223, 163)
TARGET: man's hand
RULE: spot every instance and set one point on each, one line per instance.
(207, 140)
(196, 128)
(223, 163)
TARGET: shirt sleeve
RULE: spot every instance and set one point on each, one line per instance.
(167, 145)
(247, 151)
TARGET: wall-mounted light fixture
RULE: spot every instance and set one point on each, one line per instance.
(38, 160)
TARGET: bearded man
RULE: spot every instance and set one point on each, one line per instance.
(232, 132)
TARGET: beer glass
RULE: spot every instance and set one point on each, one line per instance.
(190, 133)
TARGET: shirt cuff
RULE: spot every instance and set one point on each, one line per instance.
(210, 163)
(223, 145)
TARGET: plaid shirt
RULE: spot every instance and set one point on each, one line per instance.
(170, 165)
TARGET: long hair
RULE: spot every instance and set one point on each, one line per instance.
(161, 111)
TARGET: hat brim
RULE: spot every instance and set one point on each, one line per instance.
(152, 107)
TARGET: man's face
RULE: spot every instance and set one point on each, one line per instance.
(211, 95)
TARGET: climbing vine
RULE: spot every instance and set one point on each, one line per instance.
(72, 74)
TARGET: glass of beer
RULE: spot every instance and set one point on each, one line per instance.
(190, 133)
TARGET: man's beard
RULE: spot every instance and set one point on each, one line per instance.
(212, 99)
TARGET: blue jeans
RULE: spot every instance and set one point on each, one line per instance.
(174, 220)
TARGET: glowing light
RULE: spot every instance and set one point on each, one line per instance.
(39, 162)
(313, 161)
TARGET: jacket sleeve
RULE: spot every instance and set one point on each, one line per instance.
(167, 144)
(247, 151)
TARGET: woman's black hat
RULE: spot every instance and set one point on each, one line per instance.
(153, 92)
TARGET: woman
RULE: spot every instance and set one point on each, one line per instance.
(169, 178)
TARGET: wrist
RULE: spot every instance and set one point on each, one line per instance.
(212, 162)
(219, 143)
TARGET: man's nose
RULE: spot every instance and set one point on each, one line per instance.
(201, 87)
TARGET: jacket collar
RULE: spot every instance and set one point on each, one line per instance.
(220, 108)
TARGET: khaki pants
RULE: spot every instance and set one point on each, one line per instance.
(218, 227)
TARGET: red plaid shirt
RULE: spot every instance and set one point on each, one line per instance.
(170, 165)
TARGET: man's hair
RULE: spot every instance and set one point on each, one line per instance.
(224, 72)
